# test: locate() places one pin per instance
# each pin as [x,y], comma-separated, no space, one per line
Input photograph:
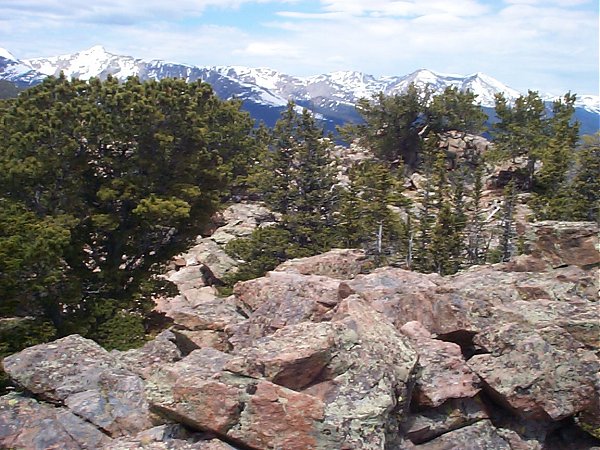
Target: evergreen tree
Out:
[527,129]
[122,175]
[296,178]
[367,218]
[475,236]
[507,225]
[584,187]
[396,127]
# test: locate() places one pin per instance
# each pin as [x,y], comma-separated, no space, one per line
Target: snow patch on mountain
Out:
[7,55]
[262,86]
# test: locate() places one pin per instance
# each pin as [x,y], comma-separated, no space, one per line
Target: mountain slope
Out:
[264,91]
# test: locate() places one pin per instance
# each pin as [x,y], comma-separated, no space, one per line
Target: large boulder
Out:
[202,310]
[160,351]
[90,382]
[482,435]
[538,374]
[443,372]
[564,243]
[28,424]
[198,392]
[424,425]
[241,219]
[280,299]
[342,264]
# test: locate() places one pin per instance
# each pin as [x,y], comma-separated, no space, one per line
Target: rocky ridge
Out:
[325,353]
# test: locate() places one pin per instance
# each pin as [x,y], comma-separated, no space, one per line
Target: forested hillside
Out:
[102,182]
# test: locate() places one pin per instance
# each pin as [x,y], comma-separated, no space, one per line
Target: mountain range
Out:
[265,92]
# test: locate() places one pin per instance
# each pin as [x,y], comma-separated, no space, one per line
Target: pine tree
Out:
[122,175]
[584,188]
[366,213]
[507,226]
[476,241]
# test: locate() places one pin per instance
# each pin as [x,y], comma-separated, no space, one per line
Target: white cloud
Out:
[539,44]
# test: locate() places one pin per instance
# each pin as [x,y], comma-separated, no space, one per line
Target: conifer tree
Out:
[122,175]
[366,217]
[507,225]
[475,239]
[584,188]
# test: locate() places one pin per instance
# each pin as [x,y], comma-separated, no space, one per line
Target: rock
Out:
[187,277]
[480,436]
[155,353]
[199,393]
[425,425]
[465,303]
[564,243]
[535,373]
[295,356]
[201,309]
[241,220]
[376,367]
[308,385]
[278,418]
[280,299]
[341,264]
[191,392]
[28,424]
[210,254]
[190,340]
[91,383]
[167,437]
[443,372]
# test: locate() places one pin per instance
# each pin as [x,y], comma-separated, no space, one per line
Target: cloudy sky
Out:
[545,45]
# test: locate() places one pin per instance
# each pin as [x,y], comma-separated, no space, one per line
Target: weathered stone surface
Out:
[190,340]
[430,423]
[564,243]
[469,301]
[155,353]
[480,436]
[84,377]
[342,264]
[27,424]
[190,391]
[200,309]
[167,437]
[539,374]
[241,219]
[294,356]
[198,392]
[375,370]
[276,418]
[280,299]
[354,373]
[443,373]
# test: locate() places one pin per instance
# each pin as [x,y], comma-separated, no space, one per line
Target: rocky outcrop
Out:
[87,380]
[28,424]
[561,244]
[341,264]
[317,355]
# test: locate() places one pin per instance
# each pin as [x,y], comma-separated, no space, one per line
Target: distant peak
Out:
[6,54]
[95,49]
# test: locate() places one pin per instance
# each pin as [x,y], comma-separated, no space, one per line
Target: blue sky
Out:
[545,45]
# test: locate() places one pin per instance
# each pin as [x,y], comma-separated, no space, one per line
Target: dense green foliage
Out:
[100,182]
[396,127]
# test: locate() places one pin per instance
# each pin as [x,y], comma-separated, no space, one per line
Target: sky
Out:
[551,46]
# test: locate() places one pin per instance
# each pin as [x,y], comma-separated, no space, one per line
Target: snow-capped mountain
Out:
[263,91]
